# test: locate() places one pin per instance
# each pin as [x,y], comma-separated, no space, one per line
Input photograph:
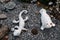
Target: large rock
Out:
[10,5]
[4,1]
[3,31]
[2,16]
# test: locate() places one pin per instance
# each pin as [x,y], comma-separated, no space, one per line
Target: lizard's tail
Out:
[25,11]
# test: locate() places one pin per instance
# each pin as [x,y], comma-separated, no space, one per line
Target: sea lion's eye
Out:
[50,23]
[47,23]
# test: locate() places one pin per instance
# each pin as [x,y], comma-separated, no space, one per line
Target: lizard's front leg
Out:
[26,18]
[24,29]
[14,21]
[42,27]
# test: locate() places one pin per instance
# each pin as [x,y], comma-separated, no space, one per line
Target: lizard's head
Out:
[16,32]
[25,11]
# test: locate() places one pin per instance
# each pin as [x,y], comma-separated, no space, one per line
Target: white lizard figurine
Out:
[21,22]
[45,19]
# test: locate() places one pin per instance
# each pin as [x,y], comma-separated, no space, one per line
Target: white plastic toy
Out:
[21,22]
[45,19]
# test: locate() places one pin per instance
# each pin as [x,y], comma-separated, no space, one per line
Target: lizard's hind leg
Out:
[14,21]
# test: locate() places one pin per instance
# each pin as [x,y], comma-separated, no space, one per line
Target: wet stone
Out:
[10,5]
[2,16]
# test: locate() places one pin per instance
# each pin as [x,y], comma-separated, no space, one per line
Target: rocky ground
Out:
[33,23]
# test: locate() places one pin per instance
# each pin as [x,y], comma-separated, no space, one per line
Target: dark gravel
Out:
[33,22]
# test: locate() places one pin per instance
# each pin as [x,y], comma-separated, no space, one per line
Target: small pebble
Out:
[37,12]
[12,29]
[38,3]
[51,16]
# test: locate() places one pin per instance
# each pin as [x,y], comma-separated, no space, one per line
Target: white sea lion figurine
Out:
[45,19]
[21,22]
